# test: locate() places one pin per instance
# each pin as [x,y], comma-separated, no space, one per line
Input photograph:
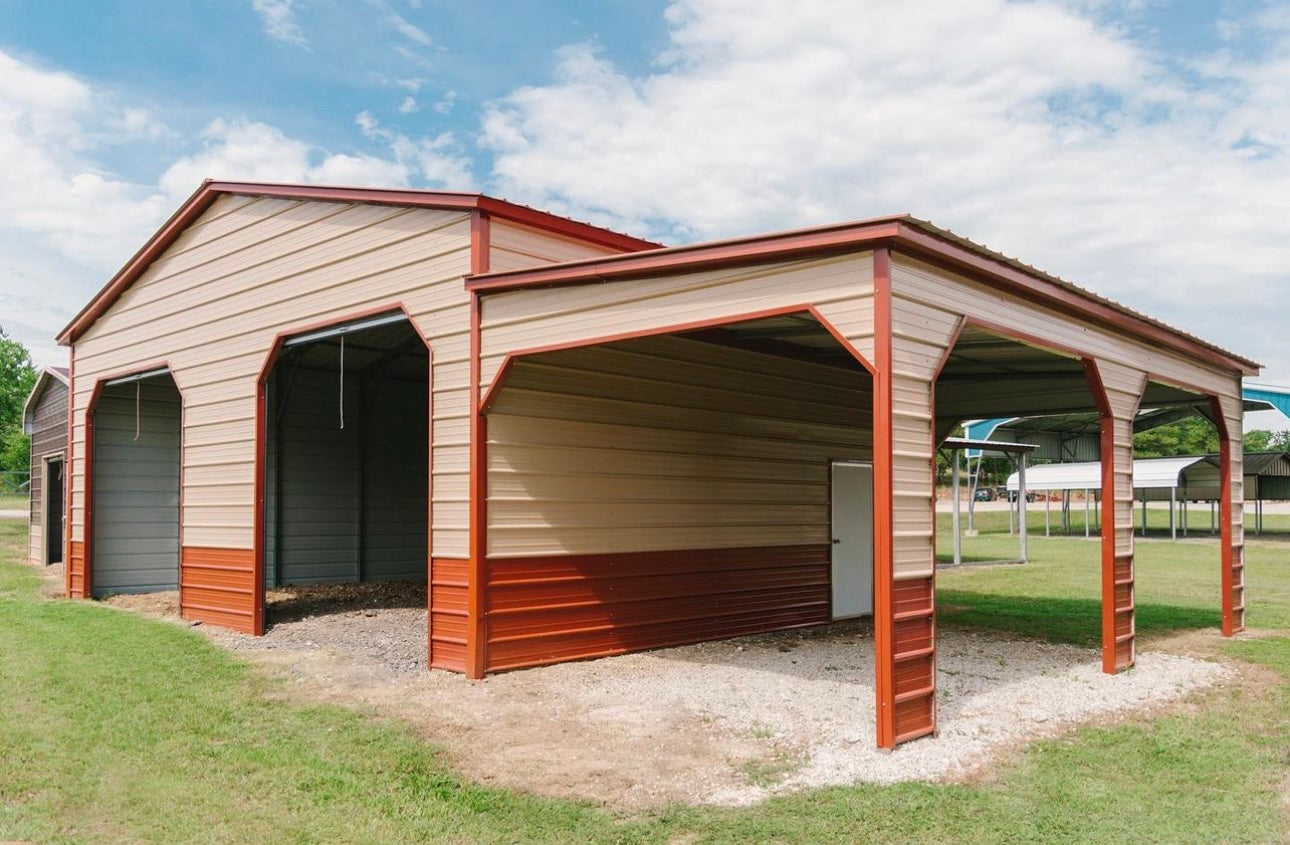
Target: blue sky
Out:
[1136,147]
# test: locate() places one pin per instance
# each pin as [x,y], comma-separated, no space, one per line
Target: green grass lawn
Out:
[13,502]
[118,728]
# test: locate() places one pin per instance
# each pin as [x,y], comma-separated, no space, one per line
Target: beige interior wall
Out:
[249,268]
[667,443]
[841,288]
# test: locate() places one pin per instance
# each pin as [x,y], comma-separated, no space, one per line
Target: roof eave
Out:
[206,194]
[901,232]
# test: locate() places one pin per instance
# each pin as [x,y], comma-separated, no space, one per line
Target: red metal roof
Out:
[902,232]
[210,190]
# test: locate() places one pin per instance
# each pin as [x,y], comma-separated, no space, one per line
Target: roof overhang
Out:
[38,390]
[900,233]
[210,191]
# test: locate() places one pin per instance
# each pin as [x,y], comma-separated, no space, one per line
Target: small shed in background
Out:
[44,417]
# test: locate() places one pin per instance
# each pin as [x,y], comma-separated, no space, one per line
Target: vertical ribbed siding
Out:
[668,443]
[48,437]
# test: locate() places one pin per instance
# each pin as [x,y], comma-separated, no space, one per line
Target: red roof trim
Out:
[903,234]
[209,191]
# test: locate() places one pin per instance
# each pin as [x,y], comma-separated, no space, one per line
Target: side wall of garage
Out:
[660,491]
[48,437]
[211,306]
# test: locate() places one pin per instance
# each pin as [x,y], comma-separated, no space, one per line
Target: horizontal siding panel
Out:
[515,247]
[448,603]
[218,587]
[559,608]
[584,456]
[535,318]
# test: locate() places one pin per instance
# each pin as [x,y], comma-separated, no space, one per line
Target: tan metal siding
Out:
[247,270]
[48,437]
[840,287]
[516,247]
[665,443]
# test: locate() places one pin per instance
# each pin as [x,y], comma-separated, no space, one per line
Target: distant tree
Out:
[1266,441]
[17,375]
[1192,436]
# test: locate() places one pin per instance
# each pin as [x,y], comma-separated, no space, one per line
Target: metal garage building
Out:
[44,418]
[636,447]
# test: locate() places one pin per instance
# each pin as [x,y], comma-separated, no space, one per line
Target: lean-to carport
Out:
[935,320]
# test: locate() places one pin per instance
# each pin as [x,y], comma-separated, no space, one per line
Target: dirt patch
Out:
[729,722]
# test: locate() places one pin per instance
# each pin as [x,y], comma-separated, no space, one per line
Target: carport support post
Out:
[958,534]
[1118,390]
[1227,416]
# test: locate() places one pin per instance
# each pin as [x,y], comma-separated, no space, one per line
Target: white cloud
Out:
[279,19]
[408,106]
[244,150]
[400,24]
[445,103]
[439,161]
[1035,127]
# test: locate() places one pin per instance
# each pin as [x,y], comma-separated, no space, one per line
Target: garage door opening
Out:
[347,470]
[674,488]
[135,443]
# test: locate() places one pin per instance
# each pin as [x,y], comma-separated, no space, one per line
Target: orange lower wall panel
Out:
[565,607]
[76,587]
[217,586]
[448,592]
[914,658]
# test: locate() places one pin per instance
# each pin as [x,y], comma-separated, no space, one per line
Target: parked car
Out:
[985,494]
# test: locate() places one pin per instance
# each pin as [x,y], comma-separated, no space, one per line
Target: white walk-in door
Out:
[852,520]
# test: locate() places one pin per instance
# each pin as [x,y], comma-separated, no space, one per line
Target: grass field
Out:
[118,728]
[13,501]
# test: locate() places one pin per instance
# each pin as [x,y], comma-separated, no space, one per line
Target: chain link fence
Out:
[15,489]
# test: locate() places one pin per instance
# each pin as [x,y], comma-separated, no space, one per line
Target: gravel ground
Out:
[729,722]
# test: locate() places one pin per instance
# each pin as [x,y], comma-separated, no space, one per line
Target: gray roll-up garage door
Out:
[136,488]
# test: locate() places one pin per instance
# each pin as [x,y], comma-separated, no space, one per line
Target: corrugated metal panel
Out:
[527,319]
[516,247]
[668,443]
[396,487]
[48,437]
[329,530]
[549,609]
[218,587]
[448,612]
[1148,473]
[319,531]
[136,488]
[247,269]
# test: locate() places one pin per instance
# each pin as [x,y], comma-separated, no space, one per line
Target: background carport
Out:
[934,317]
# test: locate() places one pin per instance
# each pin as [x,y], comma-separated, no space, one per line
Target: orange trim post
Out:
[69,481]
[1232,557]
[883,515]
[1118,589]
[476,591]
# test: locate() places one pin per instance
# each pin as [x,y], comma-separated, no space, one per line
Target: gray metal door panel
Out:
[136,488]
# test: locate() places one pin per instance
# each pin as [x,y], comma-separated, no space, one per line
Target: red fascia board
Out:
[896,232]
[209,191]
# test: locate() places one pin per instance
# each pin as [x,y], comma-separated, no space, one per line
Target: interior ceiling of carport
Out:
[989,375]
[394,350]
